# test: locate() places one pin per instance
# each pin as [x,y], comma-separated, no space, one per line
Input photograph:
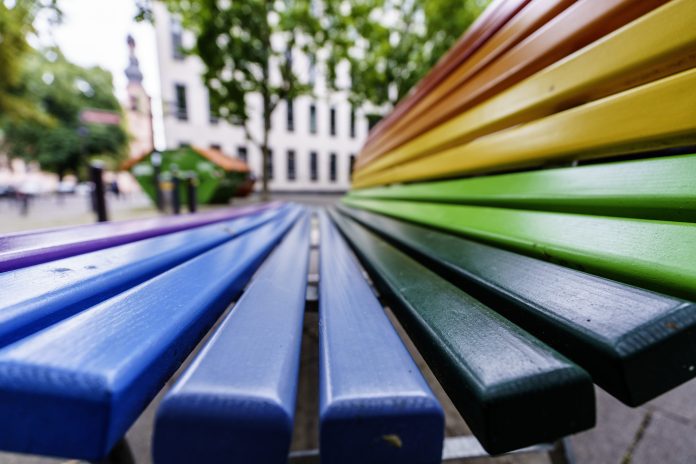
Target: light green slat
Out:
[658,255]
[659,188]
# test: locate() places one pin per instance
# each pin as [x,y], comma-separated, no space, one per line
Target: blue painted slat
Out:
[74,388]
[236,401]
[375,406]
[38,296]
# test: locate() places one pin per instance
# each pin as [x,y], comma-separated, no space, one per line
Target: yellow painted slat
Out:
[659,44]
[657,115]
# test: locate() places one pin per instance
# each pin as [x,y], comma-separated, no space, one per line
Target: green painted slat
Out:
[497,375]
[658,255]
[661,188]
[636,344]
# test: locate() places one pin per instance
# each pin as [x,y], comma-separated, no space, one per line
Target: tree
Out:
[247,47]
[60,142]
[16,24]
[391,44]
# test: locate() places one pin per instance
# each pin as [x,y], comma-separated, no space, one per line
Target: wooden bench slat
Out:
[654,116]
[374,406]
[29,248]
[498,13]
[658,255]
[73,389]
[654,46]
[497,375]
[67,286]
[636,344]
[236,402]
[573,29]
[528,20]
[658,188]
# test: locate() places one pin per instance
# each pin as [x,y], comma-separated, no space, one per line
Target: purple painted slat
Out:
[26,249]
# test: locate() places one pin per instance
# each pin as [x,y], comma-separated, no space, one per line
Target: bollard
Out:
[156,160]
[176,193]
[191,193]
[96,169]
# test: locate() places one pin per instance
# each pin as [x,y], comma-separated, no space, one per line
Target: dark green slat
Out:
[636,344]
[511,389]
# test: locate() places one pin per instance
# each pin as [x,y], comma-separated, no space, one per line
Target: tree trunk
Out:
[265,152]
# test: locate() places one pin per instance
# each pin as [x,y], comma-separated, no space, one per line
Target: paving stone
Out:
[678,402]
[666,441]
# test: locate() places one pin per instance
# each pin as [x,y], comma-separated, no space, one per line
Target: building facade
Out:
[137,108]
[314,139]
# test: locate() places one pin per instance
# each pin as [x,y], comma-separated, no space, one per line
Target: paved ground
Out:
[663,431]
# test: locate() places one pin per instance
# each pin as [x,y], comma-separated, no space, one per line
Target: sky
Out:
[93,32]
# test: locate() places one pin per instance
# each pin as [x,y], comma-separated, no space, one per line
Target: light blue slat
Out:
[38,296]
[375,406]
[236,401]
[74,388]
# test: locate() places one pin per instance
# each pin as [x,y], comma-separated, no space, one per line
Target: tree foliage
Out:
[391,44]
[60,142]
[247,48]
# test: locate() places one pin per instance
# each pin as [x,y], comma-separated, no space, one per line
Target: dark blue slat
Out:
[236,402]
[74,388]
[38,296]
[375,406]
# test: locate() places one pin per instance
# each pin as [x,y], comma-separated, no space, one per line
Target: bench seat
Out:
[83,381]
[497,375]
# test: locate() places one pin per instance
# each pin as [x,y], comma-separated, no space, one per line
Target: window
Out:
[352,165]
[177,42]
[372,120]
[212,117]
[242,153]
[184,144]
[290,110]
[312,71]
[332,121]
[291,164]
[216,146]
[313,170]
[181,108]
[133,103]
[332,167]
[352,122]
[269,164]
[312,118]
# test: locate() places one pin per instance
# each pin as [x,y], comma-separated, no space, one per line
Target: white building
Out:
[314,140]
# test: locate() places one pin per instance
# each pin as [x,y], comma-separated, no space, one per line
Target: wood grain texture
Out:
[578,26]
[658,255]
[661,43]
[533,16]
[654,116]
[38,296]
[73,389]
[497,375]
[636,344]
[29,248]
[658,188]
[236,401]
[374,404]
[496,15]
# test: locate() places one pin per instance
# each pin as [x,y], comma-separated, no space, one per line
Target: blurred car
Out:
[66,187]
[7,191]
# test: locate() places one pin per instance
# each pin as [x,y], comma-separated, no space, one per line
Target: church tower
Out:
[138,108]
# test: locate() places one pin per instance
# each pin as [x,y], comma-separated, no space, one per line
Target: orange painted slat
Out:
[576,27]
[529,19]
[488,23]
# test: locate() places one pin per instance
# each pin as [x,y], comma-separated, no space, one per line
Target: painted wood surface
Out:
[498,13]
[657,188]
[656,45]
[654,116]
[73,389]
[658,255]
[37,296]
[636,344]
[374,405]
[496,374]
[236,402]
[578,26]
[29,248]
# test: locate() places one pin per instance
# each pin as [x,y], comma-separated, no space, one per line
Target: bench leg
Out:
[120,454]
[562,453]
